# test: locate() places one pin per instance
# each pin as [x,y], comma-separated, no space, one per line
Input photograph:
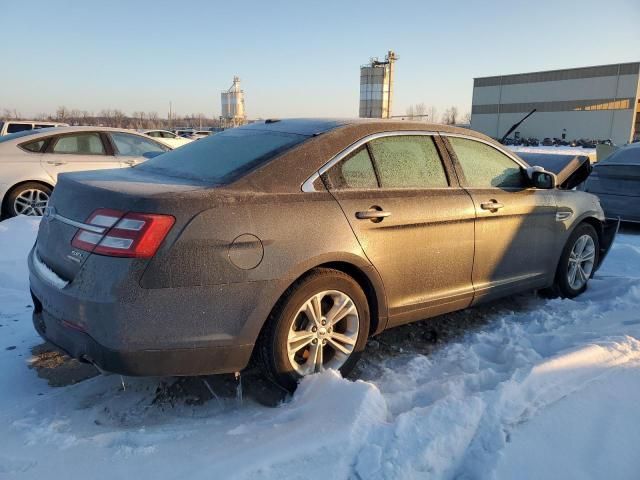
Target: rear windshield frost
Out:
[223,157]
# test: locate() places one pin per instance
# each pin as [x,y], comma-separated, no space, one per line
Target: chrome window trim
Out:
[307,186]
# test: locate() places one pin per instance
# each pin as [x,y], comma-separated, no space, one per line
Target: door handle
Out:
[375,214]
[492,205]
[57,163]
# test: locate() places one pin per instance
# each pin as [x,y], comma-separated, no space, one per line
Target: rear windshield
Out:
[628,155]
[223,157]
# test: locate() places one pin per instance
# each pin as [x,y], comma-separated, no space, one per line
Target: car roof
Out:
[317,126]
[35,134]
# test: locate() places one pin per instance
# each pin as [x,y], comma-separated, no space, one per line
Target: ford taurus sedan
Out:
[30,161]
[293,241]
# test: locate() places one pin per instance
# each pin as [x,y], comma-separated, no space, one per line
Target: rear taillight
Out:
[127,235]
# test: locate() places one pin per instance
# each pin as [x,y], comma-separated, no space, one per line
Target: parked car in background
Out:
[30,161]
[547,142]
[293,241]
[168,138]
[186,132]
[616,181]
[198,134]
[14,126]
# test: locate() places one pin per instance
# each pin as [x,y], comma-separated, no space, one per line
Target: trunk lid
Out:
[78,195]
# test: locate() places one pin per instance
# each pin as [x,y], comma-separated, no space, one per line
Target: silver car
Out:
[31,161]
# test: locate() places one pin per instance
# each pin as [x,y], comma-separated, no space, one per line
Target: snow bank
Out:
[547,389]
[17,236]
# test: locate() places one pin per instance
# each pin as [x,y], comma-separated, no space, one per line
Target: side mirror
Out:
[543,179]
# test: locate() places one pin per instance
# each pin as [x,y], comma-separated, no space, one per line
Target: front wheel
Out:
[321,322]
[578,262]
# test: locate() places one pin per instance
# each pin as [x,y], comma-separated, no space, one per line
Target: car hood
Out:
[570,170]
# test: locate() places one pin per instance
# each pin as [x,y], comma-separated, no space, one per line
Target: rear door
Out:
[413,221]
[516,225]
[77,151]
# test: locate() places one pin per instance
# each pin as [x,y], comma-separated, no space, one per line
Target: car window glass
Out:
[167,135]
[484,166]
[154,134]
[18,127]
[408,161]
[135,146]
[81,144]
[356,171]
[33,146]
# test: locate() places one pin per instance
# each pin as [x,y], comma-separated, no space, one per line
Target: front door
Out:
[413,223]
[515,224]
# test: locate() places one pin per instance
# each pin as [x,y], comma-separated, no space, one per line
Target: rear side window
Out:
[136,146]
[484,166]
[223,157]
[155,134]
[33,146]
[408,161]
[166,135]
[355,171]
[18,127]
[80,144]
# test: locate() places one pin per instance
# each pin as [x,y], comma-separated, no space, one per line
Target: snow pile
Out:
[547,389]
[552,149]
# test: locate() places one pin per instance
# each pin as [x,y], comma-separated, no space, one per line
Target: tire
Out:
[26,199]
[292,318]
[563,285]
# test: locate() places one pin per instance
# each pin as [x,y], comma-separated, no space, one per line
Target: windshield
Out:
[629,154]
[223,157]
[26,133]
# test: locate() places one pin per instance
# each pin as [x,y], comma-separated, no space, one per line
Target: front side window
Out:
[18,127]
[354,172]
[79,144]
[484,166]
[223,157]
[167,135]
[408,161]
[154,134]
[136,146]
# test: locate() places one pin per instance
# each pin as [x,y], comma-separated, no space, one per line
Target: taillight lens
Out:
[127,234]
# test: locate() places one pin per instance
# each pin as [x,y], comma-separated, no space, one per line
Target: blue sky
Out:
[295,58]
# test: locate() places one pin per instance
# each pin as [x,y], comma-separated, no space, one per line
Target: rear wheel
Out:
[577,263]
[321,322]
[27,199]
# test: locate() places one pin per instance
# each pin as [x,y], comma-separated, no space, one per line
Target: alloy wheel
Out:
[323,333]
[31,202]
[581,261]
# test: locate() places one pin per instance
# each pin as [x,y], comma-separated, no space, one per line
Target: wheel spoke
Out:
[588,257]
[298,340]
[572,273]
[314,362]
[339,311]
[338,346]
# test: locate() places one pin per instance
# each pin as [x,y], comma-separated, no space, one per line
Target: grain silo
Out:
[376,87]
[232,113]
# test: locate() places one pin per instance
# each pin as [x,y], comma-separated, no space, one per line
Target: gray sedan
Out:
[294,241]
[616,181]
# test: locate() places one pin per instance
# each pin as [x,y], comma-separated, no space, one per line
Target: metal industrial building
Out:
[376,87]
[597,103]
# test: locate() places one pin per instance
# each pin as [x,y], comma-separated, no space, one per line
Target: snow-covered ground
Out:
[543,389]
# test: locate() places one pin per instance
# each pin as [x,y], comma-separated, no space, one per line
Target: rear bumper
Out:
[167,362]
[104,317]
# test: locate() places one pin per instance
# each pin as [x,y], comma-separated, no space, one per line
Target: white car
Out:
[15,126]
[31,161]
[198,134]
[168,138]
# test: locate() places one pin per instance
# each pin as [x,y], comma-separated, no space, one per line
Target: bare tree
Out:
[62,114]
[466,118]
[450,116]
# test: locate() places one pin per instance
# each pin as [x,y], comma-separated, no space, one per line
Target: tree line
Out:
[451,115]
[117,118]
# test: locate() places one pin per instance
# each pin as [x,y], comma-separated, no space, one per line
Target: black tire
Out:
[561,286]
[8,206]
[272,344]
